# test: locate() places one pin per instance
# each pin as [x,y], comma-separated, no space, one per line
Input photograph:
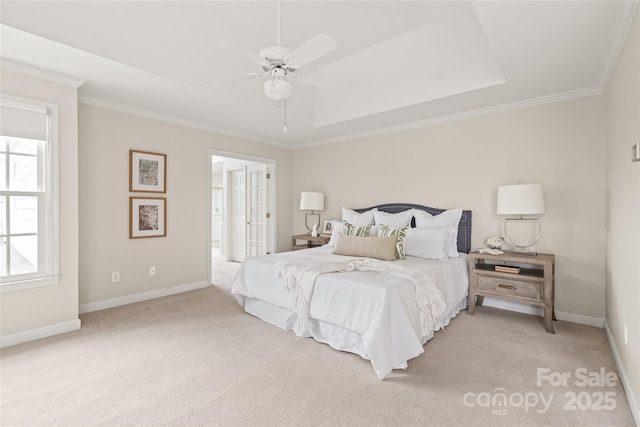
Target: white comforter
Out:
[375,315]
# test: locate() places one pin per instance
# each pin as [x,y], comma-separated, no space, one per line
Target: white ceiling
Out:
[397,65]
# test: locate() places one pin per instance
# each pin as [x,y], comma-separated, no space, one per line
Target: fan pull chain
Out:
[285,115]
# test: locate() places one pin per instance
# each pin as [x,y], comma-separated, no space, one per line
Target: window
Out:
[28,194]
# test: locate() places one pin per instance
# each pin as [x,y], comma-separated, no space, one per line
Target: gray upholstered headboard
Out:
[464,227]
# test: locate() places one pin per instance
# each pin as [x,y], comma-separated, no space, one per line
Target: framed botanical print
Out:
[147,217]
[147,172]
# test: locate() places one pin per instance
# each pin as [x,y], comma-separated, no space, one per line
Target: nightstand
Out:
[533,283]
[312,242]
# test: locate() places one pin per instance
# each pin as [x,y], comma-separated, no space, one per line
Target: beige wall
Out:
[54,308]
[180,258]
[461,164]
[623,214]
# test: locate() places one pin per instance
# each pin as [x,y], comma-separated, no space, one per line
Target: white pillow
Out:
[337,228]
[429,242]
[358,219]
[393,219]
[422,217]
[450,218]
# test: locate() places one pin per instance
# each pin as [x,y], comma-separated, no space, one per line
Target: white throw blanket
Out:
[300,274]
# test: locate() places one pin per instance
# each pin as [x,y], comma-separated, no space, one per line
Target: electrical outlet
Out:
[152,271]
[115,276]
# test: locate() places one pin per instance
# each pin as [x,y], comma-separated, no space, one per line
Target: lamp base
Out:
[306,220]
[522,252]
[522,249]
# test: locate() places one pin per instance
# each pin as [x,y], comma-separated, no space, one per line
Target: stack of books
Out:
[507,269]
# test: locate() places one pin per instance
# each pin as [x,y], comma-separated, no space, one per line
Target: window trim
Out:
[51,222]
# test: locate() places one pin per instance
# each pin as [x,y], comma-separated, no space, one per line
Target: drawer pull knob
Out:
[507,287]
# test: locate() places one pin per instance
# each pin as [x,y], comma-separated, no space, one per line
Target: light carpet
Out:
[196,359]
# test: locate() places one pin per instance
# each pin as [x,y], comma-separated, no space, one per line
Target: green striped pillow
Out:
[401,232]
[352,230]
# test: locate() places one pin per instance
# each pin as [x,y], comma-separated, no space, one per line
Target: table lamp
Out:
[521,200]
[314,202]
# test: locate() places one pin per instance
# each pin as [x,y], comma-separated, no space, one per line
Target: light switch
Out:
[635,152]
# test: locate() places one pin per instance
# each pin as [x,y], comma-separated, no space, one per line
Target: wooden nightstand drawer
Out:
[514,288]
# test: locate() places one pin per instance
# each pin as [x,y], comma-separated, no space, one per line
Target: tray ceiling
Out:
[397,64]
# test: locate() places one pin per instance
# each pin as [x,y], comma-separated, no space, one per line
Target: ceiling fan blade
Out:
[238,51]
[236,79]
[314,48]
[323,81]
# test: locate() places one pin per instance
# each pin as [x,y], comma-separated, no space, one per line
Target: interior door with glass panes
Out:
[256,210]
[239,215]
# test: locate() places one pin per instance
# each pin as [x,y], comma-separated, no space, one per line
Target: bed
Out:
[384,311]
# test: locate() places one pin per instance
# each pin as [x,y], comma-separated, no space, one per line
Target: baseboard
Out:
[36,334]
[538,311]
[583,320]
[129,299]
[624,378]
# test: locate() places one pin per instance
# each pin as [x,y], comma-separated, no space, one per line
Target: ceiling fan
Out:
[278,63]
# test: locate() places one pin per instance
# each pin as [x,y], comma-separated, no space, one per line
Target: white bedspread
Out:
[385,318]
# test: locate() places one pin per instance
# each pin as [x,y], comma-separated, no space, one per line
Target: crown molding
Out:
[31,71]
[566,96]
[127,109]
[623,24]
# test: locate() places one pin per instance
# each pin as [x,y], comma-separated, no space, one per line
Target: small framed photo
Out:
[147,172]
[327,228]
[147,217]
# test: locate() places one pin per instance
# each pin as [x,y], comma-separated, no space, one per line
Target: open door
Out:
[248,198]
[257,213]
[238,214]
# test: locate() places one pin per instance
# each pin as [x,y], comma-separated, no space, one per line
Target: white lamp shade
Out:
[520,199]
[310,201]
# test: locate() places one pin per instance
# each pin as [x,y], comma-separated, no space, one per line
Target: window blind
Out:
[23,121]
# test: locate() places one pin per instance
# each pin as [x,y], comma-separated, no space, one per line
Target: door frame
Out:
[271,198]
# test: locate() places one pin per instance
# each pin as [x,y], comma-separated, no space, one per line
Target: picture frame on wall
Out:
[147,172]
[147,217]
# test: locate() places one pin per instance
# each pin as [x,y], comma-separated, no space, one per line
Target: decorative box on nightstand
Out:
[312,241]
[530,281]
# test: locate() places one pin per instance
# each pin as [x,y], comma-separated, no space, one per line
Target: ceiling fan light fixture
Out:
[278,89]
